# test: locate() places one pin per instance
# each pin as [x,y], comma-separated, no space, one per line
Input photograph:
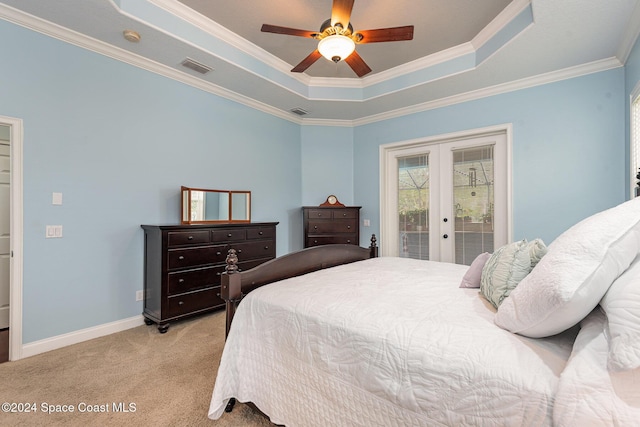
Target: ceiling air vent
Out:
[196,66]
[299,111]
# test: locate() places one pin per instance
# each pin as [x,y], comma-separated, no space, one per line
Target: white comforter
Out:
[589,393]
[385,342]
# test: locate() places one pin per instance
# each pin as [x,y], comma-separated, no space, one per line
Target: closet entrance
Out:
[10,238]
[5,210]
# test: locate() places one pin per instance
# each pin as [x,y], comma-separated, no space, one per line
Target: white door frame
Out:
[16,227]
[388,223]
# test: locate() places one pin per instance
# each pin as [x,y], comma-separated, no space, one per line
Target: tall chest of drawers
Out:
[183,264]
[329,225]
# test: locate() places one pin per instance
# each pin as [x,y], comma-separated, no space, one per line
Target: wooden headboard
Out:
[236,284]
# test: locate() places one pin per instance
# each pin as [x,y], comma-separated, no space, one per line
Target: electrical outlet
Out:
[139,295]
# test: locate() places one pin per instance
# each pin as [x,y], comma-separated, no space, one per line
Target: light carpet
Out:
[159,379]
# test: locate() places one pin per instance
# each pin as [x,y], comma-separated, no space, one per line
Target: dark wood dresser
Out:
[183,263]
[328,225]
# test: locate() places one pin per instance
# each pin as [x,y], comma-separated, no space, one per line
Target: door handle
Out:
[445,236]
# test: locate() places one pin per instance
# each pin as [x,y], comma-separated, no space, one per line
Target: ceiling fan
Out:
[338,40]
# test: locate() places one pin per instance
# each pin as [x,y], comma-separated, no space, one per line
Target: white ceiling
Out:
[462,49]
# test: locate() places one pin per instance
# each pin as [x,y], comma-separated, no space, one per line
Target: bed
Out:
[384,341]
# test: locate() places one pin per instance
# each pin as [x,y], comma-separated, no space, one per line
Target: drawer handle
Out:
[190,237]
[229,234]
[218,253]
[315,241]
[181,257]
[348,241]
[315,227]
[266,247]
[180,280]
[344,214]
[348,227]
[319,214]
[260,233]
[180,302]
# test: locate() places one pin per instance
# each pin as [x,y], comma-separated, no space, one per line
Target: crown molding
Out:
[437,58]
[224,34]
[85,42]
[328,122]
[69,36]
[539,80]
[507,15]
[218,31]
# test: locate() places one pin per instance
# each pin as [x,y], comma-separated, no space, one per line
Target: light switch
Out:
[53,231]
[366,223]
[57,199]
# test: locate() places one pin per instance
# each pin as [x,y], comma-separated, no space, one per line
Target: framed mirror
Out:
[204,206]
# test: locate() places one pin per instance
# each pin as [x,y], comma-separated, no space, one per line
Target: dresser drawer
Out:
[228,234]
[345,213]
[319,213]
[346,239]
[336,213]
[336,226]
[193,257]
[179,238]
[255,250]
[192,280]
[261,233]
[193,302]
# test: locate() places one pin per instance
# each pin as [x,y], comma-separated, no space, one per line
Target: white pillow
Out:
[504,270]
[621,303]
[573,276]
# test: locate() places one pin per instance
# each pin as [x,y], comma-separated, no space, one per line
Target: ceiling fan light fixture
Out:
[336,47]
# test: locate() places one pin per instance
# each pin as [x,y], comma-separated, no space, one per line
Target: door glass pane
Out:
[473,200]
[413,206]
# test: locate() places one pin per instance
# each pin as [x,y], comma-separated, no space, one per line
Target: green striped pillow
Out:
[506,267]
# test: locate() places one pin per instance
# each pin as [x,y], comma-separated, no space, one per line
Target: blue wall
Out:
[118,142]
[568,150]
[327,162]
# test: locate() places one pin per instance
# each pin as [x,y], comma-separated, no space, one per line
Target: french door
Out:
[446,200]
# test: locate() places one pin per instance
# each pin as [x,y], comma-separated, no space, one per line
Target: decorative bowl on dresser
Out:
[183,263]
[324,225]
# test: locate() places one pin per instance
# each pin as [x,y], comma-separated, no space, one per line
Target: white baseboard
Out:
[48,344]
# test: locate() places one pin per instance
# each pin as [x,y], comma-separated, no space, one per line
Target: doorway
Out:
[446,198]
[5,203]
[10,238]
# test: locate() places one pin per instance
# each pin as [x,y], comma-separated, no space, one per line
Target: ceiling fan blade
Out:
[341,12]
[357,64]
[307,62]
[266,28]
[387,34]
